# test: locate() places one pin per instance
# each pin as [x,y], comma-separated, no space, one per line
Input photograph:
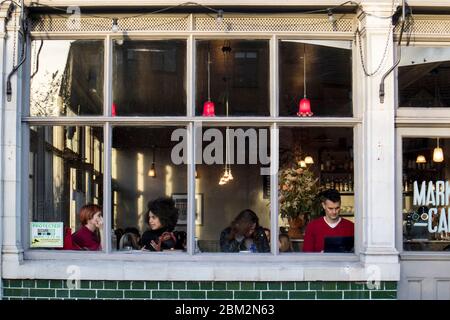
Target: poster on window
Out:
[46,235]
[181,204]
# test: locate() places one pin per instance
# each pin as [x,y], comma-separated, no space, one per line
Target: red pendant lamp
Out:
[208,106]
[304,107]
[113,110]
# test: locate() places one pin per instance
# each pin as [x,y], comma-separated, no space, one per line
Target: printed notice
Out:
[46,235]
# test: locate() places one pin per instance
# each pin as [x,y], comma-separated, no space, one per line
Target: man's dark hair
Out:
[331,194]
[165,210]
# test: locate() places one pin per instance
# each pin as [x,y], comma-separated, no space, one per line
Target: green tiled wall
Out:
[57,289]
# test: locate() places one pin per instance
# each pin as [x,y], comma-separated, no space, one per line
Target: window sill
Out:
[201,267]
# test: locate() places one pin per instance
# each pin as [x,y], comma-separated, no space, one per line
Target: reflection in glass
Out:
[243,152]
[423,77]
[239,77]
[67,78]
[65,172]
[149,78]
[300,181]
[137,150]
[328,77]
[425,189]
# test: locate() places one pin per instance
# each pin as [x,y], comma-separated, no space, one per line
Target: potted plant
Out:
[298,189]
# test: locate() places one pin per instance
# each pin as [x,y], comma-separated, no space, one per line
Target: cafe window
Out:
[320,71]
[425,190]
[313,160]
[234,75]
[141,159]
[149,78]
[66,78]
[144,168]
[423,77]
[66,165]
[230,185]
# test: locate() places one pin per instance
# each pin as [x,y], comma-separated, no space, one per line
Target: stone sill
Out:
[223,268]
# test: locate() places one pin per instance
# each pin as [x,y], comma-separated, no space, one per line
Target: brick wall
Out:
[57,289]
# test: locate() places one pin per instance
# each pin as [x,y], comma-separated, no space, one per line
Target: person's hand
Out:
[156,246]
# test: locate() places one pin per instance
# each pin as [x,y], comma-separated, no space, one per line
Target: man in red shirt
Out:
[331,225]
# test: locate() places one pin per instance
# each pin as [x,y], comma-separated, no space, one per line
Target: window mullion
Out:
[106,241]
[107,83]
[274,143]
[191,188]
[274,77]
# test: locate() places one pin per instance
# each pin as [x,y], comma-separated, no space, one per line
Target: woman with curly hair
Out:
[162,217]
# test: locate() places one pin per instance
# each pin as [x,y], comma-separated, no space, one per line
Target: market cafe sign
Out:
[46,235]
[436,195]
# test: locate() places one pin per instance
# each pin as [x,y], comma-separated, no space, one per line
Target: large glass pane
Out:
[319,70]
[424,77]
[316,168]
[149,78]
[143,170]
[426,192]
[65,173]
[237,81]
[66,78]
[233,190]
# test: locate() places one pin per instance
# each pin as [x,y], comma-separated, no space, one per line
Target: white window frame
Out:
[204,266]
[416,123]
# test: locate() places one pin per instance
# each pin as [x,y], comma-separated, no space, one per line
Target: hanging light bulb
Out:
[219,17]
[304,107]
[152,170]
[302,164]
[421,159]
[309,160]
[330,16]
[230,175]
[208,106]
[438,154]
[115,26]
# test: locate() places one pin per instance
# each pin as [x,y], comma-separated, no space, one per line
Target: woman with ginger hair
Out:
[87,237]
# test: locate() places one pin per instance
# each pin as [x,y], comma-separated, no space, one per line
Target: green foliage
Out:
[298,188]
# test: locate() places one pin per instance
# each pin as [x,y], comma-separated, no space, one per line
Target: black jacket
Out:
[259,239]
[154,235]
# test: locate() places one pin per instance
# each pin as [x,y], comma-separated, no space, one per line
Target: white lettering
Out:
[431,200]
[214,147]
[440,193]
[419,197]
[431,212]
[443,227]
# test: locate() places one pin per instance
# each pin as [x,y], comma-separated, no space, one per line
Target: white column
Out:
[2,79]
[11,154]
[378,134]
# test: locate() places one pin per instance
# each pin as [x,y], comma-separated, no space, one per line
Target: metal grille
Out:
[274,24]
[93,24]
[201,23]
[429,26]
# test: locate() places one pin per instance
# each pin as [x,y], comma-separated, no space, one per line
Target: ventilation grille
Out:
[200,23]
[427,26]
[274,24]
[93,24]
